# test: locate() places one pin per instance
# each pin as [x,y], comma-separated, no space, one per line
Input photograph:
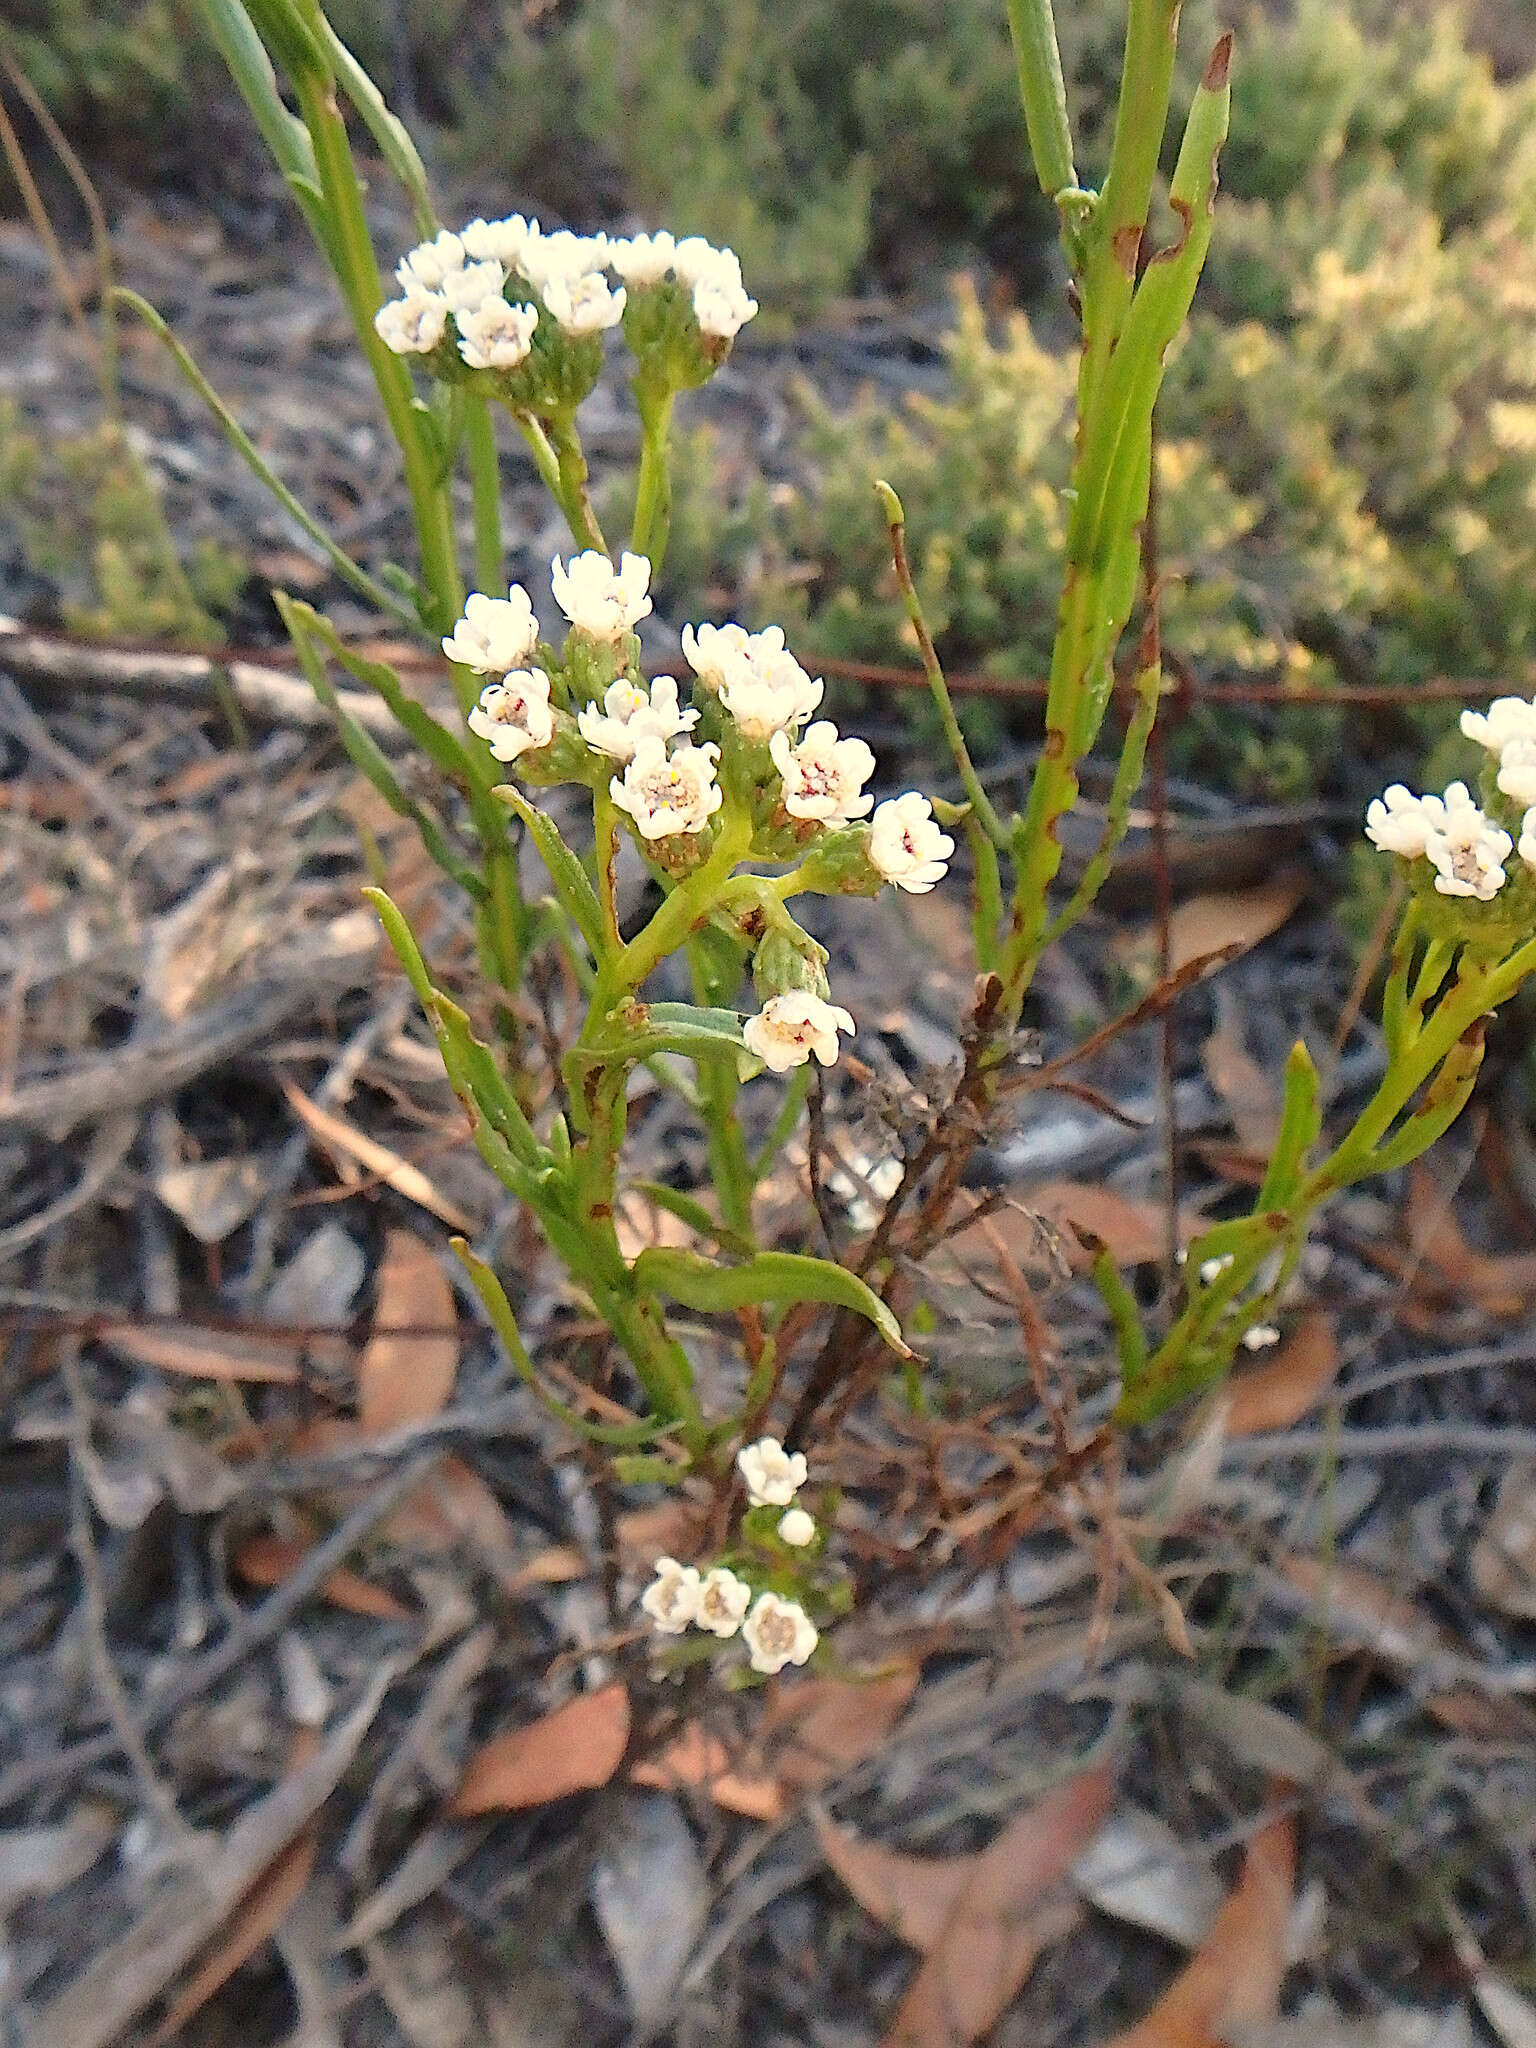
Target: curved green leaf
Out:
[698,1283]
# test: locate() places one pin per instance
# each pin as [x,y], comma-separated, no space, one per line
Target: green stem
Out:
[1033,27]
[357,273]
[485,486]
[730,1166]
[685,909]
[653,490]
[980,802]
[572,482]
[605,833]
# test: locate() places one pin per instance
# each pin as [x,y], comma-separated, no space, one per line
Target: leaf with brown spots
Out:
[575,1749]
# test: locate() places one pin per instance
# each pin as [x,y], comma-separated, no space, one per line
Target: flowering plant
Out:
[743,800]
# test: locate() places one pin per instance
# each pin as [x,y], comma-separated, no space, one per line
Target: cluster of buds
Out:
[1468,843]
[505,299]
[724,1602]
[586,713]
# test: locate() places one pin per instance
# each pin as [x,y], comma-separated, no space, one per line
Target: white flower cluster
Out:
[712,276]
[467,275]
[776,1631]
[1464,845]
[665,783]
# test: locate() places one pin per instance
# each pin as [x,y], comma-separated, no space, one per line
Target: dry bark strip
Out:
[98,2006]
[61,669]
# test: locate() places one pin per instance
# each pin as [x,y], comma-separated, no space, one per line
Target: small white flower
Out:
[823,776]
[412,326]
[584,305]
[497,336]
[721,309]
[767,691]
[425,267]
[561,255]
[778,1632]
[672,1597]
[1517,772]
[631,714]
[1212,1269]
[1260,1337]
[513,716]
[599,599]
[906,845]
[643,259]
[1527,846]
[665,795]
[1468,850]
[498,241]
[1506,719]
[1399,822]
[495,633]
[467,290]
[711,649]
[796,1528]
[792,1026]
[698,262]
[723,1600]
[773,1475]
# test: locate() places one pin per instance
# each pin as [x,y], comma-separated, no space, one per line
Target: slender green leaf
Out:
[251,68]
[572,883]
[1301,1119]
[688,1209]
[366,755]
[443,748]
[699,1283]
[256,462]
[476,1063]
[387,130]
[494,1297]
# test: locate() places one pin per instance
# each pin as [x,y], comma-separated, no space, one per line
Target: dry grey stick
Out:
[109,1147]
[93,1605]
[79,1090]
[259,1625]
[96,2008]
[333,1090]
[268,696]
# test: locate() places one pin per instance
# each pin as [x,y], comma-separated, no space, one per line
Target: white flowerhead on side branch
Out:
[773,1475]
[1467,844]
[599,599]
[792,1026]
[907,846]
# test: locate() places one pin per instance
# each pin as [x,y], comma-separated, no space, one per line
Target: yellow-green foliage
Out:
[1348,438]
[86,517]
